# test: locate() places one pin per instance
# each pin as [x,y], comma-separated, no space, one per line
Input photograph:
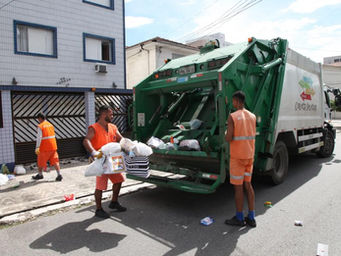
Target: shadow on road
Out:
[73,236]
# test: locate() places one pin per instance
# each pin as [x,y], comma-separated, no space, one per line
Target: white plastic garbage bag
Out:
[171,146]
[127,145]
[155,142]
[111,148]
[95,168]
[19,170]
[188,145]
[142,149]
[3,179]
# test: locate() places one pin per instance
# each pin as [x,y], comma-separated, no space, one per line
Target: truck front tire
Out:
[280,163]
[327,149]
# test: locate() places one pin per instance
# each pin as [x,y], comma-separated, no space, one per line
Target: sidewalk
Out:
[23,193]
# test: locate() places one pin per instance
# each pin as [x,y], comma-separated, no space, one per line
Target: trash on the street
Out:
[69,197]
[322,249]
[298,223]
[206,221]
[3,179]
[10,176]
[4,169]
[19,170]
[268,204]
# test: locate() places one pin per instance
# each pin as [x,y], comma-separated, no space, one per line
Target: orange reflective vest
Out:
[102,136]
[48,140]
[242,145]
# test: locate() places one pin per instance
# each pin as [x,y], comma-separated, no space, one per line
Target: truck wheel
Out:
[280,163]
[327,149]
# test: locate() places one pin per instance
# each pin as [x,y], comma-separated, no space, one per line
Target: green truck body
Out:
[200,86]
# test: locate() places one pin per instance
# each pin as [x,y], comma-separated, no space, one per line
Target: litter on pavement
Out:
[298,223]
[19,170]
[3,179]
[268,204]
[206,221]
[69,197]
[322,249]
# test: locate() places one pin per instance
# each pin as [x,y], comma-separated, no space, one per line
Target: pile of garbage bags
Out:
[125,156]
[185,145]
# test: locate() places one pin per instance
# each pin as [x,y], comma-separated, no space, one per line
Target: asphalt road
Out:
[162,221]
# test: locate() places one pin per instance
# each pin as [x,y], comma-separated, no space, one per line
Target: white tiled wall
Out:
[6,133]
[89,108]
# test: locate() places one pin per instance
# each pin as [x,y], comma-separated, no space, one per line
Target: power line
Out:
[6,4]
[237,8]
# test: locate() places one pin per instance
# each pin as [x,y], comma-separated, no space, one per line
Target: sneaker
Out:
[100,213]
[38,177]
[59,178]
[250,222]
[117,206]
[235,222]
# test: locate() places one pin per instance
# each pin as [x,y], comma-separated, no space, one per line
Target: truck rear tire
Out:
[327,149]
[280,163]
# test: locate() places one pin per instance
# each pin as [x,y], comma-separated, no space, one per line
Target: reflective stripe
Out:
[248,174]
[244,138]
[237,177]
[48,137]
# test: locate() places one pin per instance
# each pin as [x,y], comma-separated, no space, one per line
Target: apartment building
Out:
[62,58]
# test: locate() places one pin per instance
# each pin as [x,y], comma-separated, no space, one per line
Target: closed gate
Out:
[66,111]
[120,103]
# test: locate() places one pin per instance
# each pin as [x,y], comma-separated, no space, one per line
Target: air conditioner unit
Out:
[101,68]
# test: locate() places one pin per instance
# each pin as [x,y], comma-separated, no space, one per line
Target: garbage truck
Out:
[283,89]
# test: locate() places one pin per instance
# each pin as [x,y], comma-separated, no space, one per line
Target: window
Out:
[336,60]
[101,3]
[98,48]
[1,120]
[35,39]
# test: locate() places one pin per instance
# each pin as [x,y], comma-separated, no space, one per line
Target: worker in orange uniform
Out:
[241,132]
[99,134]
[46,148]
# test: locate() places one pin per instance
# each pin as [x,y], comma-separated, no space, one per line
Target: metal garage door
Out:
[66,111]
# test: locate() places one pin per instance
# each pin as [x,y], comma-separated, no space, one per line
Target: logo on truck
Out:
[306,83]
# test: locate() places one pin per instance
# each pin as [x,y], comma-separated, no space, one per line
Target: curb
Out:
[31,214]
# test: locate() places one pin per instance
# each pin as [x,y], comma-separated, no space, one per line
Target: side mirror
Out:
[338,100]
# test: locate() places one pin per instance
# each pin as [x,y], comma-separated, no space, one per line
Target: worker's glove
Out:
[37,151]
[96,154]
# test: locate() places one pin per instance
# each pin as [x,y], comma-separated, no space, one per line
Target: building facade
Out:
[57,57]
[144,58]
[334,60]
[61,43]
